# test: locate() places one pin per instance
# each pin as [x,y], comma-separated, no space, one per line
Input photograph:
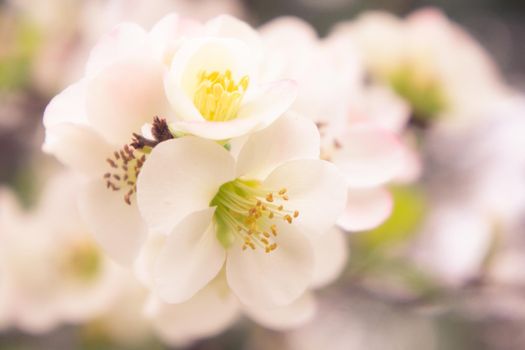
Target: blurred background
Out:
[385,299]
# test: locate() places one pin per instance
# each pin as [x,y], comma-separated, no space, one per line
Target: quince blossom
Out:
[54,271]
[253,215]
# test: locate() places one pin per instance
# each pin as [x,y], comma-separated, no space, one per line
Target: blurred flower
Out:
[268,201]
[53,268]
[360,125]
[429,61]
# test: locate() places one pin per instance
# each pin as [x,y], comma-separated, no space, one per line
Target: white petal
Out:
[366,209]
[208,313]
[331,254]
[258,111]
[179,177]
[290,137]
[145,262]
[125,40]
[69,106]
[272,279]
[124,96]
[268,102]
[191,257]
[286,317]
[315,188]
[117,226]
[227,26]
[167,34]
[79,147]
[203,54]
[369,156]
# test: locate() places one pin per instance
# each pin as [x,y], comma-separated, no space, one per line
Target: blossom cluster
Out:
[214,169]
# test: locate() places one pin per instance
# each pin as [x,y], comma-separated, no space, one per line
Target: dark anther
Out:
[139,142]
[160,130]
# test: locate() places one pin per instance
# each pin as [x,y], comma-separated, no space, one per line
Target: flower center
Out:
[83,261]
[218,97]
[125,168]
[126,163]
[422,90]
[247,211]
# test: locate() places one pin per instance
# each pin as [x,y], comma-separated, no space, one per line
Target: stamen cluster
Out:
[248,211]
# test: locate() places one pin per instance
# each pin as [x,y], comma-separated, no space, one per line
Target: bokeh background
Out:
[382,301]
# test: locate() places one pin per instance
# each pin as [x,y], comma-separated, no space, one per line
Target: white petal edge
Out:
[273,279]
[286,317]
[366,209]
[291,137]
[331,255]
[316,188]
[190,258]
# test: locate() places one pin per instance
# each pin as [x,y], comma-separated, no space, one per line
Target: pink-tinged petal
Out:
[365,209]
[124,96]
[227,26]
[271,279]
[381,106]
[190,259]
[411,167]
[209,312]
[69,106]
[179,177]
[115,225]
[168,33]
[331,254]
[316,189]
[291,137]
[368,156]
[124,41]
[286,317]
[78,147]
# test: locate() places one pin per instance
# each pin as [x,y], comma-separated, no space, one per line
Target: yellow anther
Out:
[288,218]
[295,214]
[269,197]
[217,96]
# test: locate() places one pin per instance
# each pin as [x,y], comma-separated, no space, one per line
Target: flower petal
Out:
[124,96]
[180,177]
[286,317]
[272,279]
[190,259]
[369,156]
[78,147]
[116,226]
[227,26]
[331,254]
[209,312]
[168,33]
[125,40]
[68,106]
[290,137]
[365,209]
[315,188]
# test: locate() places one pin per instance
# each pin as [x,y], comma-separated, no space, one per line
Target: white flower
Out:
[252,214]
[124,88]
[55,271]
